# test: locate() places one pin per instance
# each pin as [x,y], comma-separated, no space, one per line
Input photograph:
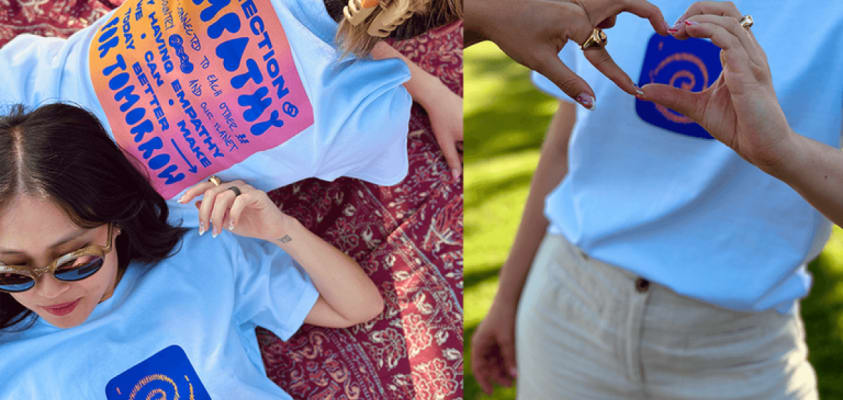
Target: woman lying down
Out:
[99,294]
[258,90]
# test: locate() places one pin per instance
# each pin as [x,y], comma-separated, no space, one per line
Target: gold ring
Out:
[746,21]
[597,40]
[215,180]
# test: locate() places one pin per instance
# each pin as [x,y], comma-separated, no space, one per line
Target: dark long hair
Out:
[62,152]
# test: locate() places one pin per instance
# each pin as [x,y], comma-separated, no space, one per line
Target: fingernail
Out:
[455,173]
[215,234]
[673,30]
[181,199]
[201,229]
[586,100]
[638,91]
[231,226]
[690,23]
[513,372]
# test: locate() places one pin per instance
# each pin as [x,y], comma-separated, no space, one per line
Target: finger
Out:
[452,157]
[737,59]
[222,202]
[570,83]
[479,366]
[240,203]
[194,191]
[508,353]
[687,103]
[724,9]
[601,60]
[647,10]
[207,205]
[607,23]
[733,26]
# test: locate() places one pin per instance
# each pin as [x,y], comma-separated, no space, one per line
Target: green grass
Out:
[505,120]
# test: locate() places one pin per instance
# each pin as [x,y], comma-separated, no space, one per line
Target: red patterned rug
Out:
[407,237]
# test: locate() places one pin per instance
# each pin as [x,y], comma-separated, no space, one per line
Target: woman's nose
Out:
[48,287]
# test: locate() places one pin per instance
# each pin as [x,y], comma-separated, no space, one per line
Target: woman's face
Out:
[33,232]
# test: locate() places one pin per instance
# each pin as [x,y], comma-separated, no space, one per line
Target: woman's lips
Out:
[62,309]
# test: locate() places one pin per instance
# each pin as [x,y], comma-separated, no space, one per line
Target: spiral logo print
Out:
[167,375]
[156,387]
[692,65]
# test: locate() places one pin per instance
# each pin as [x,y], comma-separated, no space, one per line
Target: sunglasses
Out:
[73,266]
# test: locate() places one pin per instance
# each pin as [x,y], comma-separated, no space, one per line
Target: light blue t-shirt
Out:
[245,89]
[653,193]
[186,324]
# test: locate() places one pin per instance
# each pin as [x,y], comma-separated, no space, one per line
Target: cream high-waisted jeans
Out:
[589,330]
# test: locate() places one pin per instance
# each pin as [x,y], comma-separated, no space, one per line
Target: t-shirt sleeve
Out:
[569,57]
[30,67]
[272,290]
[370,142]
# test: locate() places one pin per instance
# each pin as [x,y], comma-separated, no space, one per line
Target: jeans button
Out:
[641,285]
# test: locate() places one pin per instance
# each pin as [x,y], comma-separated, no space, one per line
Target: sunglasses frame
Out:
[35,273]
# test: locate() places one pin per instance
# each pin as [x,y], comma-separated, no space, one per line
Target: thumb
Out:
[508,353]
[682,101]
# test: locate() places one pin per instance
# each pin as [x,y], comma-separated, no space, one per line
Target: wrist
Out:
[287,229]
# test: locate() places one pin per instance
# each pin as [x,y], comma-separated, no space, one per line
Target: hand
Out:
[444,108]
[740,109]
[250,214]
[493,348]
[532,32]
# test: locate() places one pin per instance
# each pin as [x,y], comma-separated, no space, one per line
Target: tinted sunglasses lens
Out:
[79,268]
[12,282]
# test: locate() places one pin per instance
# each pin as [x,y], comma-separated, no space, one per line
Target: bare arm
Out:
[346,294]
[815,171]
[552,168]
[444,107]
[493,344]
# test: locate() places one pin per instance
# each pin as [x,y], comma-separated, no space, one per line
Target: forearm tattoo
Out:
[285,239]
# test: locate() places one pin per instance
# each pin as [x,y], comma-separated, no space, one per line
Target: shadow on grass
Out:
[516,125]
[482,192]
[822,312]
[481,273]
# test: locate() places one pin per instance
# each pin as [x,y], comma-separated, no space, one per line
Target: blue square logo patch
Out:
[692,64]
[168,374]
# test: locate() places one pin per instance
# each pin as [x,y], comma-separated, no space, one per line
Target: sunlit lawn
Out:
[505,121]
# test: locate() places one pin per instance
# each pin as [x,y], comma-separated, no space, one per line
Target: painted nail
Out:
[513,372]
[201,229]
[231,226]
[215,234]
[673,30]
[455,173]
[639,92]
[690,23]
[586,100]
[181,199]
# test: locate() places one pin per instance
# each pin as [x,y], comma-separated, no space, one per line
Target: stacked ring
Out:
[235,190]
[215,180]
[597,40]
